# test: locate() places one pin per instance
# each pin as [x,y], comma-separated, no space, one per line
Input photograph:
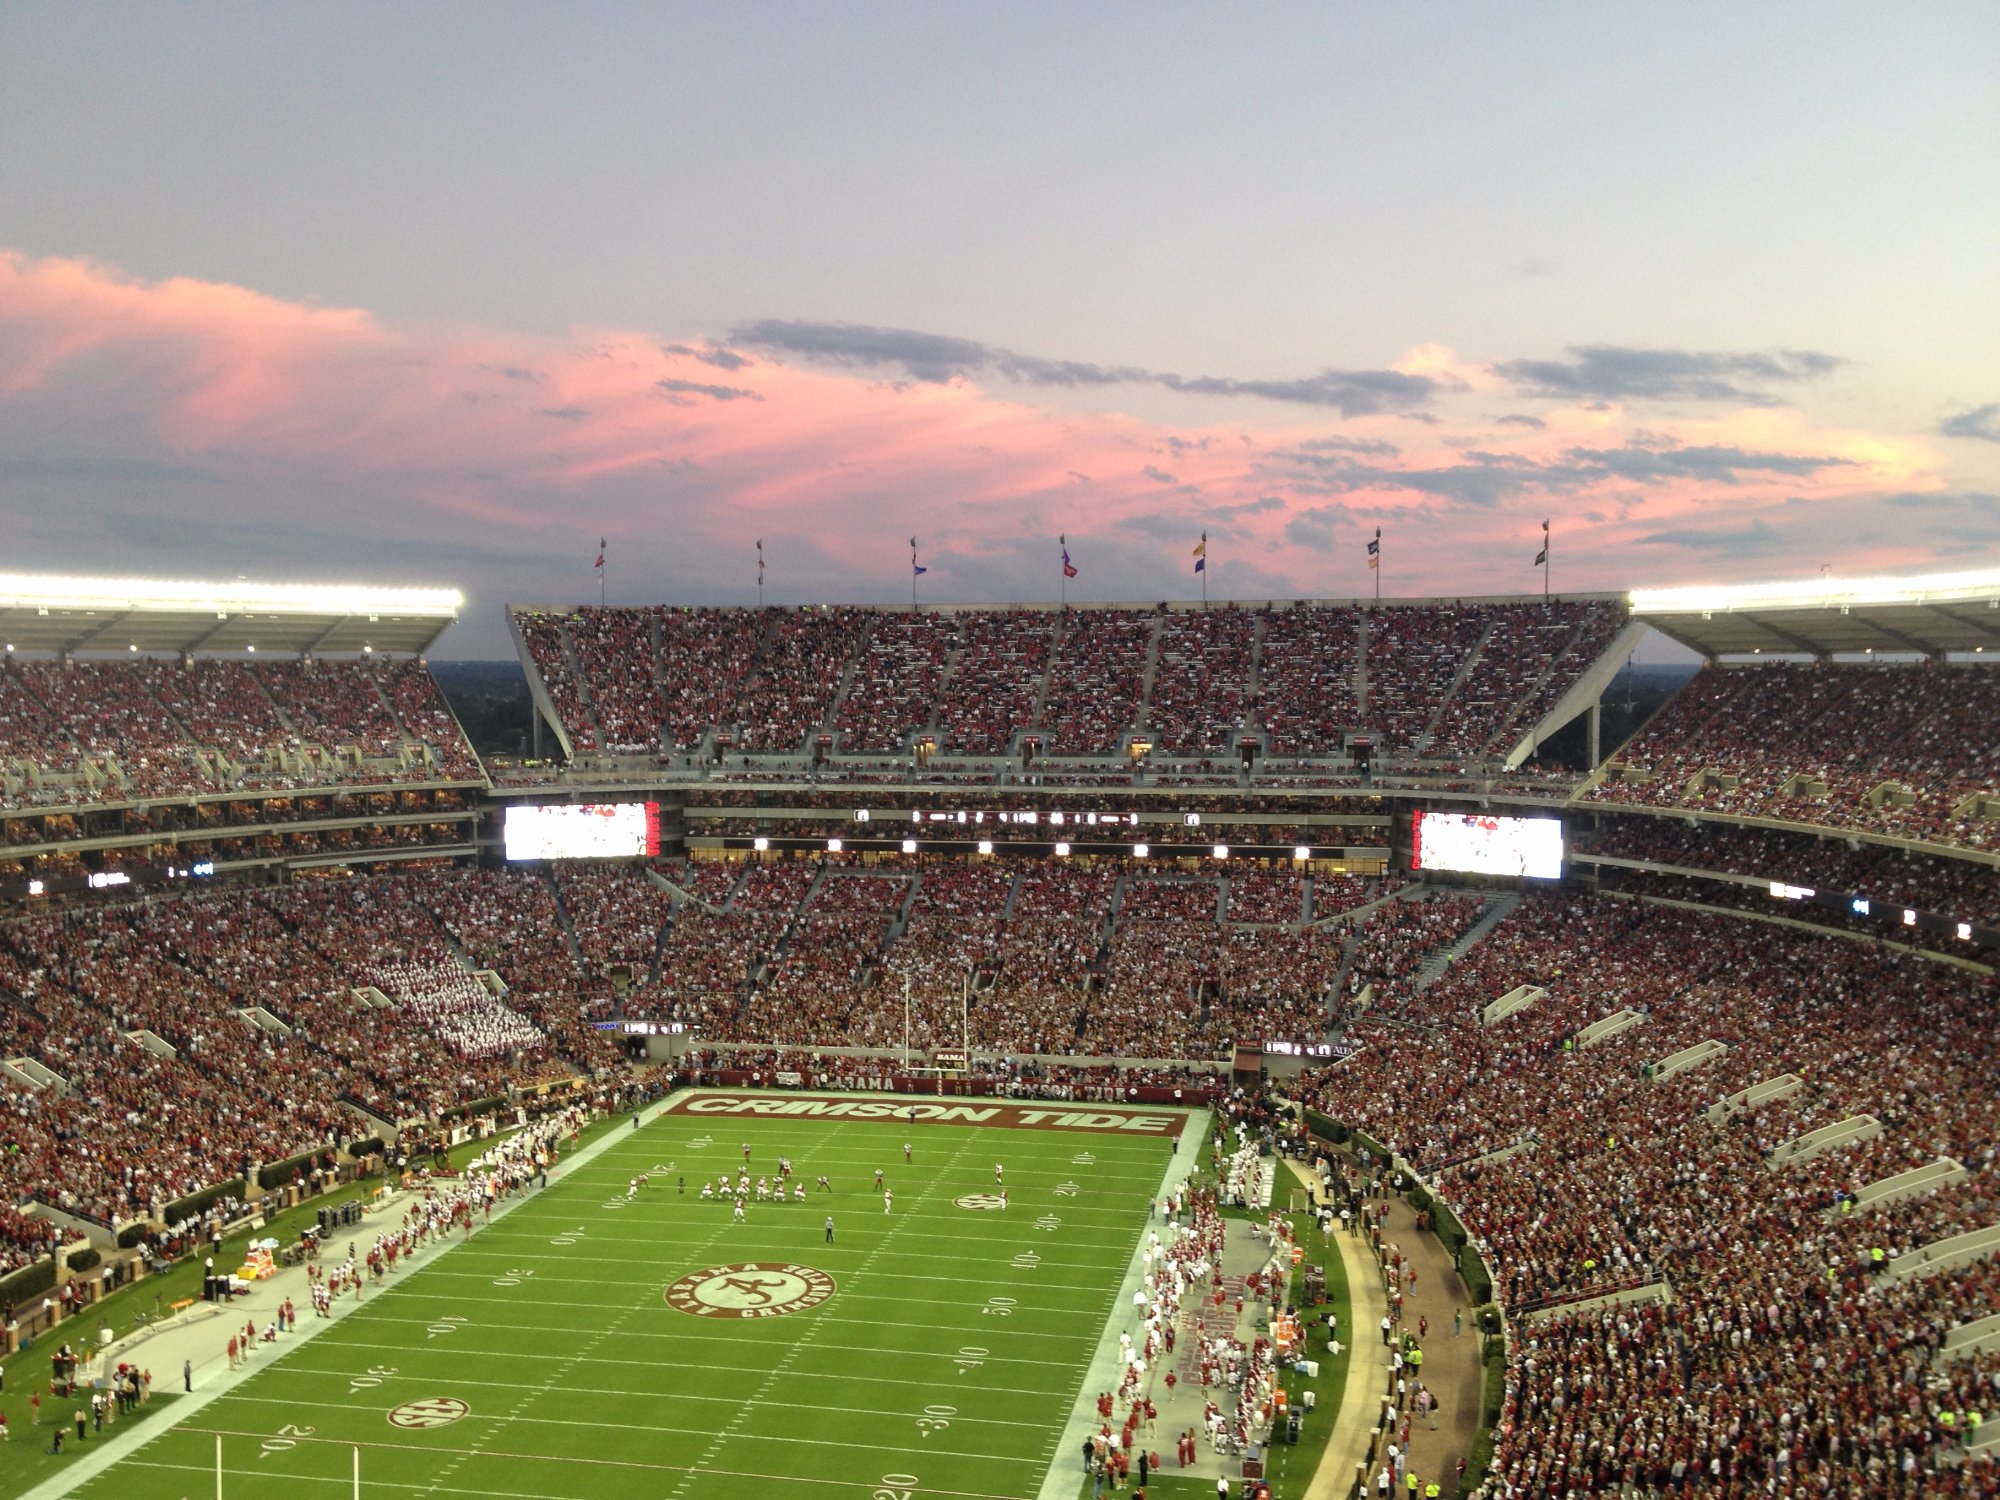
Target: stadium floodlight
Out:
[1062,851]
[1140,851]
[986,846]
[1925,588]
[1302,851]
[1222,851]
[833,846]
[47,591]
[760,843]
[909,846]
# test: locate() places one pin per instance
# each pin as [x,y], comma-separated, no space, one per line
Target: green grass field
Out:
[943,1350]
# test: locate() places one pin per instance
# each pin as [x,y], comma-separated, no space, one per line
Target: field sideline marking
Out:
[93,1466]
[1062,1482]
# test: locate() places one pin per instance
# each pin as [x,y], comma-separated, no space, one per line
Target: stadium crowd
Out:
[1903,750]
[1785,1353]
[91,732]
[1884,873]
[655,680]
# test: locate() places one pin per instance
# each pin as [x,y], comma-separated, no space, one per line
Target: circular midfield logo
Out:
[979,1202]
[750,1289]
[438,1411]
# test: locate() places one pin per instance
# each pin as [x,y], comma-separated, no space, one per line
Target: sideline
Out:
[1065,1477]
[198,1342]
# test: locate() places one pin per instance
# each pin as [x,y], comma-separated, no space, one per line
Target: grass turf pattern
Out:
[543,1357]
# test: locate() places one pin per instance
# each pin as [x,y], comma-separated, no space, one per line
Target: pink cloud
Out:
[684,450]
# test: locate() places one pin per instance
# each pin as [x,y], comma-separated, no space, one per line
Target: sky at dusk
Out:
[443,294]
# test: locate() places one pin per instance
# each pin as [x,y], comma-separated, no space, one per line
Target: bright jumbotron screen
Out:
[1479,844]
[583,830]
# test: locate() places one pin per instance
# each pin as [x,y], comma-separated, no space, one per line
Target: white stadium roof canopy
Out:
[1930,615]
[93,615]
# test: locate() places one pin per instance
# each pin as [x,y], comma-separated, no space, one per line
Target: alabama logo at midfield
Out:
[750,1289]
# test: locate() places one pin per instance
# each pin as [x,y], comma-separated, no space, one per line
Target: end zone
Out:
[1162,1121]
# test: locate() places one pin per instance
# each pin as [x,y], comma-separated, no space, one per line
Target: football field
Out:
[591,1344]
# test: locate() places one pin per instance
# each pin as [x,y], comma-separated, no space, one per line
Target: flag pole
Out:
[1063,576]
[913,575]
[1545,562]
[760,572]
[1204,570]
[1378,565]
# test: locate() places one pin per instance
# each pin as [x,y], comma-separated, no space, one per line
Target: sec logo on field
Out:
[750,1289]
[438,1411]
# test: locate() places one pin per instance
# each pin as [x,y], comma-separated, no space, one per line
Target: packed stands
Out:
[1886,873]
[1097,680]
[1202,691]
[996,681]
[1309,693]
[1901,750]
[1451,680]
[796,676]
[897,682]
[93,732]
[1624,1179]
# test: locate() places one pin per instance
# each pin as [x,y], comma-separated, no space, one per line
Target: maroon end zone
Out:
[1039,1115]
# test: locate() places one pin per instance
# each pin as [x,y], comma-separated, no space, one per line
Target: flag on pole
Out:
[760,560]
[915,571]
[1069,568]
[1375,549]
[1201,554]
[600,554]
[1543,555]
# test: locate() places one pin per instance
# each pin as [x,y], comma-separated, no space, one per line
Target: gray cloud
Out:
[1982,422]
[1608,371]
[722,359]
[1517,420]
[1717,465]
[1158,475]
[1315,528]
[1486,478]
[1374,447]
[1258,506]
[1172,527]
[714,392]
[563,413]
[1757,539]
[939,357]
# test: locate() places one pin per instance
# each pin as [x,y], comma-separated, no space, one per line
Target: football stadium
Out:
[1292,1048]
